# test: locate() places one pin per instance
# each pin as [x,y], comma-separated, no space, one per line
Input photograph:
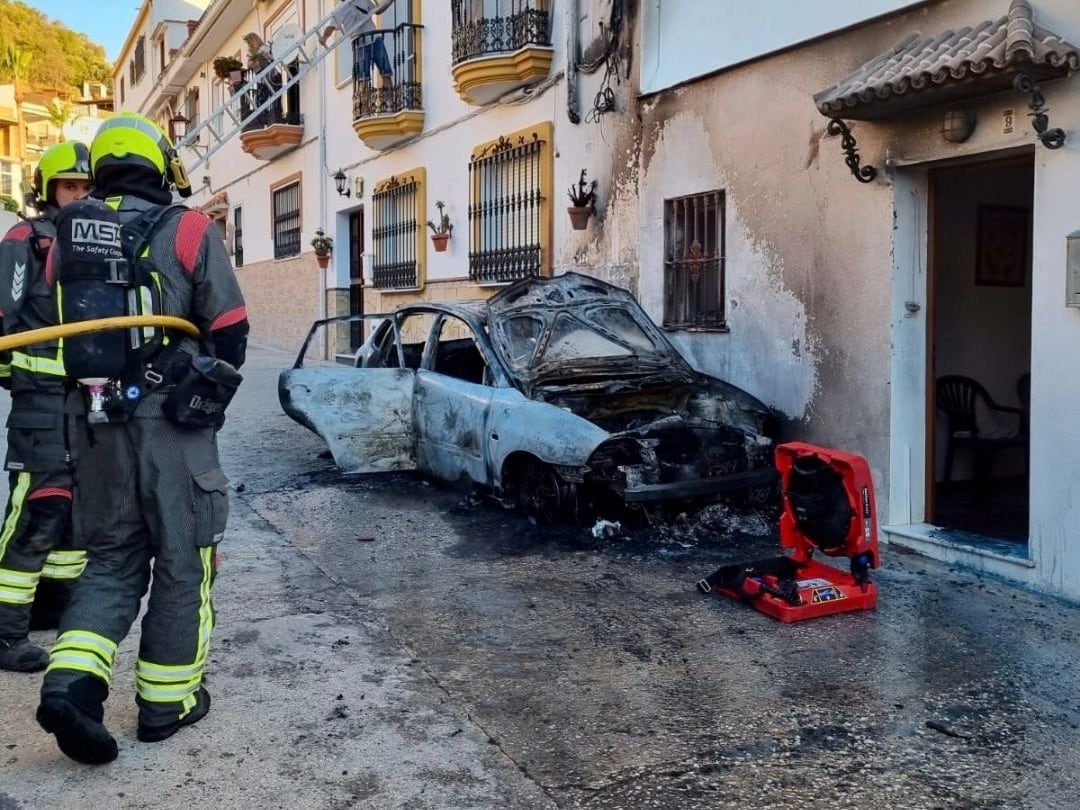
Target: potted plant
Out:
[583,199]
[230,69]
[324,246]
[440,233]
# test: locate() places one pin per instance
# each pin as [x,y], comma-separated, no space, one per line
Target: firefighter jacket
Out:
[197,282]
[27,302]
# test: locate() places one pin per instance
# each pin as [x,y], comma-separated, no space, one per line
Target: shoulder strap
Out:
[137,234]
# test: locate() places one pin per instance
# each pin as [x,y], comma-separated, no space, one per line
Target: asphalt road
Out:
[386,643]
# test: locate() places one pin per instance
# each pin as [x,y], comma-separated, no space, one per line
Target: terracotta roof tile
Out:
[922,70]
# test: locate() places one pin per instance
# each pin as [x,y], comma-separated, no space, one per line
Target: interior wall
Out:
[980,331]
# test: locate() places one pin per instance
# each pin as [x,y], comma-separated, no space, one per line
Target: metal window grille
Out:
[394,233]
[506,210]
[138,62]
[694,262]
[375,93]
[482,27]
[7,178]
[286,208]
[238,237]
[356,278]
[191,107]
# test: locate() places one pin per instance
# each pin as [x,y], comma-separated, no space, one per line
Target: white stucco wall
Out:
[690,38]
[840,269]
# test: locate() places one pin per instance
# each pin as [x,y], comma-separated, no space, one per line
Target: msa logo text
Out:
[95,232]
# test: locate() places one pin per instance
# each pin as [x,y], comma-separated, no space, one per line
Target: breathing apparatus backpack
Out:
[101,271]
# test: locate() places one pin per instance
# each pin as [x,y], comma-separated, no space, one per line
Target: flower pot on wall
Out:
[323,260]
[579,217]
[439,240]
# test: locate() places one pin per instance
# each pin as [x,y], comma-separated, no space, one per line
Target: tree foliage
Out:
[53,54]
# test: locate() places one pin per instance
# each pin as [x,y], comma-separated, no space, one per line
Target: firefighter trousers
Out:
[37,558]
[150,499]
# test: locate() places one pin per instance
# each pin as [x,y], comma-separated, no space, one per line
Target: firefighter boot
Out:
[75,716]
[19,655]
[157,733]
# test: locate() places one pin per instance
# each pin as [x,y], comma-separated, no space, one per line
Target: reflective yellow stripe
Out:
[18,498]
[18,579]
[172,683]
[39,365]
[65,564]
[83,651]
[17,587]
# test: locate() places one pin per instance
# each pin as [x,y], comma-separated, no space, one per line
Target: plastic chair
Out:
[960,399]
[1023,393]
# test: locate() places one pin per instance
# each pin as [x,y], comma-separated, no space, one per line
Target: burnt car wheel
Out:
[539,492]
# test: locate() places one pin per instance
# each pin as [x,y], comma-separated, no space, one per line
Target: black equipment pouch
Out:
[201,395]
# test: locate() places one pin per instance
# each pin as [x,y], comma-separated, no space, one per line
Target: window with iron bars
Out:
[191,107]
[286,208]
[694,262]
[482,27]
[509,207]
[138,61]
[396,231]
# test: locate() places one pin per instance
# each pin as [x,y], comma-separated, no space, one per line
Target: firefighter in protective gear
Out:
[38,563]
[151,497]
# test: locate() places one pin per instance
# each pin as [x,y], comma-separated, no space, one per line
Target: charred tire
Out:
[539,492]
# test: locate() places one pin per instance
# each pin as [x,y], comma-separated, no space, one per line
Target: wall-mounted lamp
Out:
[179,124]
[958,124]
[340,183]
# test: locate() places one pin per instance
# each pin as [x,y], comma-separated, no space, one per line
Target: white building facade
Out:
[831,205]
[891,181]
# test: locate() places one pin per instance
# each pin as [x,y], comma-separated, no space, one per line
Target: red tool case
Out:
[829,508]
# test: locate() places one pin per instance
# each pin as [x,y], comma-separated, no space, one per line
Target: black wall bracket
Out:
[1040,122]
[864,174]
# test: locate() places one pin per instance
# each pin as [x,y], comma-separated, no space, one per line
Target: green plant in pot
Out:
[583,202]
[324,246]
[440,232]
[230,69]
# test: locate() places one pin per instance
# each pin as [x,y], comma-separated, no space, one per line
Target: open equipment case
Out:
[828,507]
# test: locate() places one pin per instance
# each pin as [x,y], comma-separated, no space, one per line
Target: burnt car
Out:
[558,395]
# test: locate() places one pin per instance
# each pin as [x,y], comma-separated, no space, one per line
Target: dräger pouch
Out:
[201,396]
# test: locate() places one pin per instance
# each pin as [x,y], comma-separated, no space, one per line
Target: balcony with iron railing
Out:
[388,97]
[499,46]
[280,127]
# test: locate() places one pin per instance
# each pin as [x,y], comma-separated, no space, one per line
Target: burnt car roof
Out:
[567,290]
[577,295]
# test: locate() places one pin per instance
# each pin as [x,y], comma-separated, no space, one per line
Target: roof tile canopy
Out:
[922,71]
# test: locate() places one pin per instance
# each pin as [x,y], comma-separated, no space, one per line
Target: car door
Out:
[365,415]
[452,404]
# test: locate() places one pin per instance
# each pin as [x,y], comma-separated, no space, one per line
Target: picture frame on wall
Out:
[1001,246]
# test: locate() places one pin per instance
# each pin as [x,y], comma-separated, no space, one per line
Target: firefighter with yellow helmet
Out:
[151,500]
[37,561]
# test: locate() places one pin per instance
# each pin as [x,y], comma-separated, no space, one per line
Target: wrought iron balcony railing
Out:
[487,27]
[392,56]
[285,110]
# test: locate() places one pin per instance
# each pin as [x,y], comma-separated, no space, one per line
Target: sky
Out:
[106,24]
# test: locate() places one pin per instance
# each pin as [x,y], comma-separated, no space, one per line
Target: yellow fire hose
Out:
[97,325]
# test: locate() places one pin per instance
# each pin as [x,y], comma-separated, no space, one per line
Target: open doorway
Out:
[980,352]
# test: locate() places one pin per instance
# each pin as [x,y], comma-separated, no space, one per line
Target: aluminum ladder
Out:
[230,118]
